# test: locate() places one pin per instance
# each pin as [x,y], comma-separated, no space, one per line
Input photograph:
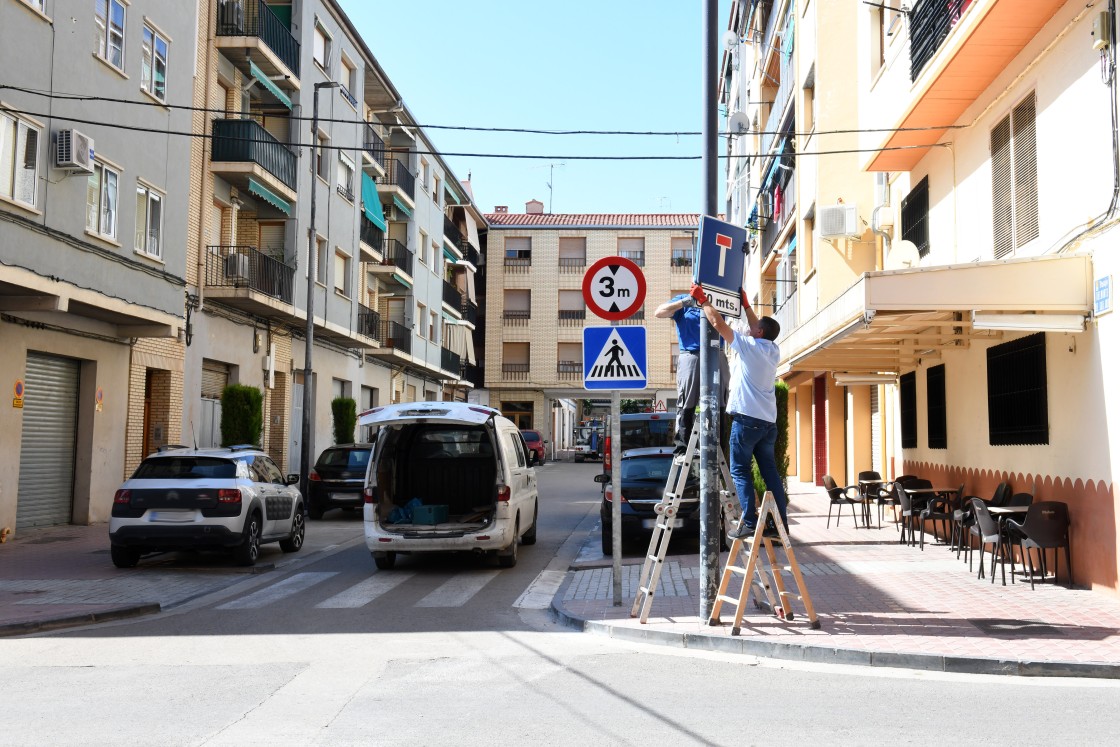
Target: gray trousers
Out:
[688,391]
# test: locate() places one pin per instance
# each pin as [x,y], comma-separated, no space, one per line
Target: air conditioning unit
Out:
[231,18]
[74,151]
[237,266]
[838,221]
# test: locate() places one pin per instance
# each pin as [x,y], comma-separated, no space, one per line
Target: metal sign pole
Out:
[616,499]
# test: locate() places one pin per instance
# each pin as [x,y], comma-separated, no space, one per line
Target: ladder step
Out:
[741,570]
[647,591]
[729,600]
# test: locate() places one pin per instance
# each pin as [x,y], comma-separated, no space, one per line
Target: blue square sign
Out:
[614,358]
[720,263]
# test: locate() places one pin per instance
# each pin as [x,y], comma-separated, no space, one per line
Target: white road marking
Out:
[286,588]
[540,593]
[458,590]
[364,592]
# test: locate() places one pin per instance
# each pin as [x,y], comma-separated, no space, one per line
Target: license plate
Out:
[651,523]
[346,497]
[179,516]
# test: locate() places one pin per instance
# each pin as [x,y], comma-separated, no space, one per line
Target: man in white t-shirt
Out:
[752,406]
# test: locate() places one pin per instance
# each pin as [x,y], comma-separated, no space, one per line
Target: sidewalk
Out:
[879,603]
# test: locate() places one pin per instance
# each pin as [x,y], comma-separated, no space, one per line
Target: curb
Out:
[808,653]
[70,621]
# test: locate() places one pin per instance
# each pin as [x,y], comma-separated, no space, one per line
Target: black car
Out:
[645,473]
[338,478]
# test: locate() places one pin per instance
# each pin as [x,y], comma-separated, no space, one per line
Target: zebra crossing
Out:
[456,591]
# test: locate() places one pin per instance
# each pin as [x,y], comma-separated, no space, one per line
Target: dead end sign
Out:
[614,288]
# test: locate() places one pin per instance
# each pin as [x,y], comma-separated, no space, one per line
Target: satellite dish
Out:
[739,123]
[730,39]
[903,254]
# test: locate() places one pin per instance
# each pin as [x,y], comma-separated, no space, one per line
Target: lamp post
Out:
[312,256]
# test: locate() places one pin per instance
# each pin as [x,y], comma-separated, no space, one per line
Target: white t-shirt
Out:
[752,377]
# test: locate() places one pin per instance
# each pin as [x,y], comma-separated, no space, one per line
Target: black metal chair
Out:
[870,493]
[909,509]
[938,508]
[837,496]
[963,518]
[986,530]
[1046,526]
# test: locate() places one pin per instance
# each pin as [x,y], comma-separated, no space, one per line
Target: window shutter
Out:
[1026,171]
[1001,189]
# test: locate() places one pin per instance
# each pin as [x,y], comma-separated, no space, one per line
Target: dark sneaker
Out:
[743,530]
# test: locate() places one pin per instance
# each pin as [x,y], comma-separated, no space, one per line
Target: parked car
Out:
[536,446]
[337,478]
[447,476]
[232,498]
[641,430]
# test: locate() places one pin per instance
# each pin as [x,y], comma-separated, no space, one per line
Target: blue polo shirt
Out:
[687,320]
[752,378]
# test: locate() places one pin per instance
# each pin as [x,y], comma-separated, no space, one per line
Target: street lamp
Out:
[312,256]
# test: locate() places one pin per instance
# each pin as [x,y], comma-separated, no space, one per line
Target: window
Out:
[808,244]
[434,327]
[39,5]
[1017,396]
[633,249]
[109,24]
[321,261]
[153,73]
[908,410]
[424,247]
[424,172]
[149,221]
[321,49]
[936,426]
[437,188]
[345,176]
[519,252]
[342,262]
[101,201]
[681,251]
[573,252]
[348,77]
[915,217]
[19,160]
[1014,180]
[421,319]
[515,361]
[517,305]
[569,359]
[322,161]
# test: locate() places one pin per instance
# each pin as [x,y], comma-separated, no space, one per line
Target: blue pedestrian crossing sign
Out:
[614,358]
[720,261]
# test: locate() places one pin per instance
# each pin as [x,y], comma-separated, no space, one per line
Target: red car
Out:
[536,446]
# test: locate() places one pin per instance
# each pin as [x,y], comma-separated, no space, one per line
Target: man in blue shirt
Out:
[683,310]
[753,407]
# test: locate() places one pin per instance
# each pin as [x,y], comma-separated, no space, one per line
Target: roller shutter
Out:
[876,434]
[47,448]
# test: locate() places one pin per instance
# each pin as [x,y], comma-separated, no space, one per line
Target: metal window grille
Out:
[1017,392]
[915,217]
[908,410]
[936,431]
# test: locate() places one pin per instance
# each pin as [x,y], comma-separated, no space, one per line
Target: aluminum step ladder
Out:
[766,581]
[666,511]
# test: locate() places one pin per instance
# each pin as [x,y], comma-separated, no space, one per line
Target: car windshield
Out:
[654,468]
[644,432]
[185,468]
[348,458]
[531,436]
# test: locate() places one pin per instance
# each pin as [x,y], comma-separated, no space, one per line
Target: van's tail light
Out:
[122,496]
[607,454]
[609,495]
[313,476]
[503,493]
[229,495]
[367,495]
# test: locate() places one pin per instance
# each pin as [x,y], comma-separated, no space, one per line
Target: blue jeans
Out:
[754,437]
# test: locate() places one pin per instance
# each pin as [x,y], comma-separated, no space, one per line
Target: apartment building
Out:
[93,220]
[392,291]
[536,311]
[949,310]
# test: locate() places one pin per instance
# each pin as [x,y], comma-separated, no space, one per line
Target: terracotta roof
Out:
[593,220]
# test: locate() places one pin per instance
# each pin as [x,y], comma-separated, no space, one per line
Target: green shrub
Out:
[345,412]
[242,415]
[781,443]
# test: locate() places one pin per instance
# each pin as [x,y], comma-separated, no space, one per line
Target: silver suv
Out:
[234,498]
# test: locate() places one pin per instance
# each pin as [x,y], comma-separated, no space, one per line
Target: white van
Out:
[445,477]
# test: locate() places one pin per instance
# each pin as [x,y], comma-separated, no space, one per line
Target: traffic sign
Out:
[614,288]
[720,260]
[614,358]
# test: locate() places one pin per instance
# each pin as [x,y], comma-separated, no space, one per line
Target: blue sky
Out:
[575,64]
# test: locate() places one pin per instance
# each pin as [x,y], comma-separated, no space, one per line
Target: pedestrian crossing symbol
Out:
[614,358]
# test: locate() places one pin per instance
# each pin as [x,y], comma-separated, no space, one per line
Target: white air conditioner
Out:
[237,266]
[838,221]
[74,151]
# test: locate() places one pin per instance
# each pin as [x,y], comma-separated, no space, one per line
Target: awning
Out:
[274,89]
[371,203]
[269,196]
[452,192]
[403,208]
[472,233]
[791,247]
[450,255]
[459,341]
[888,321]
[401,279]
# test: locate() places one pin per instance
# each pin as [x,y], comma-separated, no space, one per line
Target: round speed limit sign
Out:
[614,288]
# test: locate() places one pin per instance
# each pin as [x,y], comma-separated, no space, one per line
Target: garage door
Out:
[46,457]
[215,377]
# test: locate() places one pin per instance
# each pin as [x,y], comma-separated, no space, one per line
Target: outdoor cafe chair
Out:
[1046,526]
[837,496]
[871,492]
[1016,500]
[939,508]
[986,530]
[908,507]
[963,518]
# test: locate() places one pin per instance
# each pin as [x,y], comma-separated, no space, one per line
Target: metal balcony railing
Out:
[681,260]
[371,235]
[515,371]
[472,373]
[638,317]
[244,140]
[572,264]
[469,311]
[374,145]
[930,24]
[452,232]
[369,322]
[781,103]
[255,18]
[571,317]
[397,254]
[516,317]
[567,370]
[638,258]
[786,316]
[397,173]
[518,264]
[395,335]
[451,295]
[469,253]
[450,361]
[345,93]
[245,267]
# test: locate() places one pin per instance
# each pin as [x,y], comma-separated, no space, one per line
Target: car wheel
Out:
[250,548]
[124,557]
[315,511]
[606,542]
[508,557]
[530,537]
[384,560]
[294,541]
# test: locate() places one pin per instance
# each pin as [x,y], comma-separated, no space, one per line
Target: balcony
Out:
[251,34]
[369,322]
[958,48]
[786,315]
[398,183]
[470,254]
[779,107]
[248,156]
[571,317]
[573,265]
[472,374]
[452,233]
[450,362]
[518,265]
[516,317]
[374,148]
[638,317]
[452,298]
[394,336]
[469,311]
[371,236]
[243,277]
[638,258]
[681,261]
[396,259]
[515,371]
[569,370]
